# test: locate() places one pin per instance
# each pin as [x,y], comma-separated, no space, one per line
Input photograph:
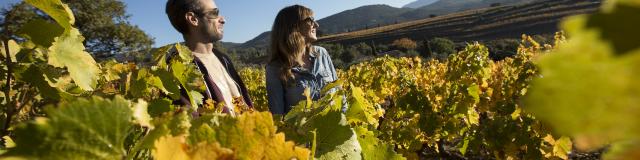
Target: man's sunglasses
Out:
[212,14]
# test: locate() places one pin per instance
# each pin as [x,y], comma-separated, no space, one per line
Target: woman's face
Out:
[308,29]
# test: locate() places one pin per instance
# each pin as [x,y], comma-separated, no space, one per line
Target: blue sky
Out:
[245,18]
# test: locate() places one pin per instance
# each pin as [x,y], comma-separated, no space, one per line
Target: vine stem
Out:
[10,104]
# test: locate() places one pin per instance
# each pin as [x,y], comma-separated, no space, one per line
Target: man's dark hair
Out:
[176,9]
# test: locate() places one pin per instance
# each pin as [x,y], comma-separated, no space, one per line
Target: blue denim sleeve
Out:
[275,90]
[332,68]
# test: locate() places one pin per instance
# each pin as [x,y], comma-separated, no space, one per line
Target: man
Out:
[201,25]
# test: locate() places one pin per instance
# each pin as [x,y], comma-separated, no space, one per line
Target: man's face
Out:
[212,23]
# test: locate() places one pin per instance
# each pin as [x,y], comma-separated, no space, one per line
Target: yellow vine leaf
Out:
[175,148]
[14,48]
[171,148]
[251,135]
[141,115]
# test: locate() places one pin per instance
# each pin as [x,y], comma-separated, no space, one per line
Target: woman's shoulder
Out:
[321,51]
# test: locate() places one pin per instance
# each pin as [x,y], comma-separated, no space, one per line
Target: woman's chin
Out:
[312,38]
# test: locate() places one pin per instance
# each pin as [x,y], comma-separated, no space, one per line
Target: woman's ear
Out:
[192,19]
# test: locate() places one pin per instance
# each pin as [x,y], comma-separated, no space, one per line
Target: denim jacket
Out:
[282,97]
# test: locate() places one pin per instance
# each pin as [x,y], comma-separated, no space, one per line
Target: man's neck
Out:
[200,47]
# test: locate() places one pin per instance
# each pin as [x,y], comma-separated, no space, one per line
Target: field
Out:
[549,101]
[475,25]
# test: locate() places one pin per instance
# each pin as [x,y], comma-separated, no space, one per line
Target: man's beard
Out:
[212,34]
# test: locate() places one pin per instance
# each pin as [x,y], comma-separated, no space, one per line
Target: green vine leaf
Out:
[588,89]
[68,51]
[60,12]
[360,110]
[34,76]
[93,128]
[42,37]
[373,148]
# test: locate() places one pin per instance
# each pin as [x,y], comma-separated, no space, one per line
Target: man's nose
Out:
[222,20]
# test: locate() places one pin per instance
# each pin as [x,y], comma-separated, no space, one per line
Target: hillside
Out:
[354,19]
[442,7]
[260,41]
[361,17]
[379,15]
[419,3]
[481,24]
[230,44]
[372,16]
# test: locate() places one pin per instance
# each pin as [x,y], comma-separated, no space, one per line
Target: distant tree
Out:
[334,49]
[419,45]
[433,15]
[496,4]
[426,49]
[374,50]
[349,55]
[502,48]
[221,47]
[235,57]
[442,47]
[250,53]
[543,39]
[15,14]
[404,44]
[104,25]
[363,49]
[382,48]
[412,53]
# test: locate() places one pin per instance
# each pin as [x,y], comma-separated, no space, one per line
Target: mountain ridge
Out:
[419,3]
[371,16]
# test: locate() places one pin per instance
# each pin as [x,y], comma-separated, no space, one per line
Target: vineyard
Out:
[478,24]
[549,101]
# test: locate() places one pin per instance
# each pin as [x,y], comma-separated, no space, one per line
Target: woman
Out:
[296,64]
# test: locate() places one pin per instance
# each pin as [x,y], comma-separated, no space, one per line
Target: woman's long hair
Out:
[287,42]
